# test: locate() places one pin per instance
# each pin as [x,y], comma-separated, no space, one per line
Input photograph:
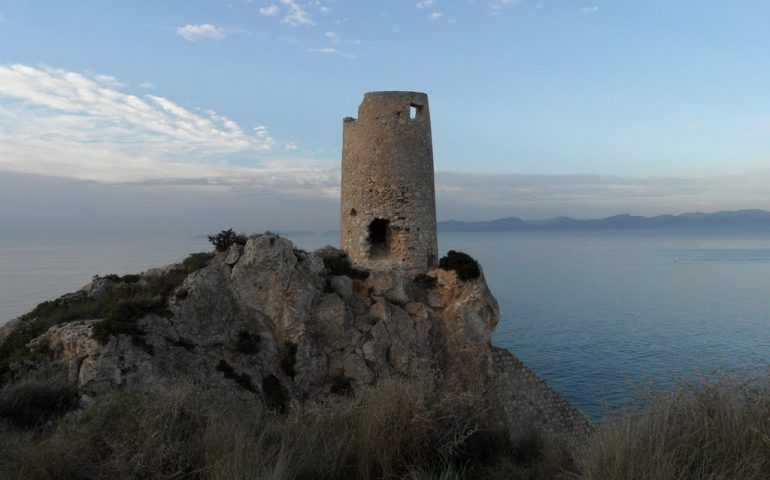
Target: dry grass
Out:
[382,432]
[118,438]
[718,428]
[395,430]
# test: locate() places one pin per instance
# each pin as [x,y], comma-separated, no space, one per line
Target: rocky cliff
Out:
[264,324]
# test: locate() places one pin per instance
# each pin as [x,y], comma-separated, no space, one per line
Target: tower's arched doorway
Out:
[379,238]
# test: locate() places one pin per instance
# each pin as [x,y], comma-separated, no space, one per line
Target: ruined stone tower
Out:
[388,215]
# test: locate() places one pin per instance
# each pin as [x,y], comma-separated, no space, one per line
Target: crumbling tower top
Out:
[388,214]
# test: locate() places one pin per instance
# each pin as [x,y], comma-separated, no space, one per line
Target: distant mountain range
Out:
[735,219]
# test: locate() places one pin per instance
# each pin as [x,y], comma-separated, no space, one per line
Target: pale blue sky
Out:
[249,96]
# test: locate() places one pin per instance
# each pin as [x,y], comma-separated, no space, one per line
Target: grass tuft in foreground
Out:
[718,428]
[395,430]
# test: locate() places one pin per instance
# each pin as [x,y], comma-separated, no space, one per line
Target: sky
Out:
[186,116]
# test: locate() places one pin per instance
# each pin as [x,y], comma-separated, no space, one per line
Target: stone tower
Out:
[388,215]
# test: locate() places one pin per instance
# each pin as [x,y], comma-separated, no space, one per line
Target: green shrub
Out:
[121,317]
[130,278]
[32,403]
[33,324]
[196,261]
[463,264]
[45,315]
[224,239]
[163,285]
[121,309]
[130,298]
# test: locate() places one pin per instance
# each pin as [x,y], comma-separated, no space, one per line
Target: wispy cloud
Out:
[425,3]
[590,8]
[2,18]
[147,85]
[336,38]
[298,15]
[499,4]
[325,9]
[435,16]
[201,31]
[332,51]
[333,36]
[269,11]
[68,124]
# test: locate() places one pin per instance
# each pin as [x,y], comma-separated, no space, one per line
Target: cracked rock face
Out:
[266,320]
[264,324]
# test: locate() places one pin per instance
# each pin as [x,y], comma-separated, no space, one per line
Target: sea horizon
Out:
[597,314]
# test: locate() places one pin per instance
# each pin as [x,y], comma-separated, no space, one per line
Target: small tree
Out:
[225,238]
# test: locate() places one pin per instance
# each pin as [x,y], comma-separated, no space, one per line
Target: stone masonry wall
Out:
[527,400]
[388,214]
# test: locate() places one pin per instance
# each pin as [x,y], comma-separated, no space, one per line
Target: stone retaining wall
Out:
[528,402]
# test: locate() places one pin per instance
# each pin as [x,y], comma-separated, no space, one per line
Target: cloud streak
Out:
[487,196]
[332,51]
[298,16]
[499,4]
[269,11]
[67,124]
[308,198]
[192,33]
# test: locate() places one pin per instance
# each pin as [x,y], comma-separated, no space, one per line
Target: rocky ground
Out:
[263,324]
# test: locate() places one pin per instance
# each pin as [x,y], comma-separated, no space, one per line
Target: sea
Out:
[600,315]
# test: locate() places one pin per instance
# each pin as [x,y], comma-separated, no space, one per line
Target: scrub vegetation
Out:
[718,428]
[463,264]
[224,239]
[122,301]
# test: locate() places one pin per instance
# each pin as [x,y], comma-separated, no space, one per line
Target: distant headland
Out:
[742,219]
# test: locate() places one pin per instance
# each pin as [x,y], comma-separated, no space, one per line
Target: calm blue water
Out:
[595,314]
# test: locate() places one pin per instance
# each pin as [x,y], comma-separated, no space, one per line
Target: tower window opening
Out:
[414,109]
[378,238]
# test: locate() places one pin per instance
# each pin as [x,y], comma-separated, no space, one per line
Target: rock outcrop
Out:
[264,324]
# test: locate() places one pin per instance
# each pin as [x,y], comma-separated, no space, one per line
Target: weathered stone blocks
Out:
[388,214]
